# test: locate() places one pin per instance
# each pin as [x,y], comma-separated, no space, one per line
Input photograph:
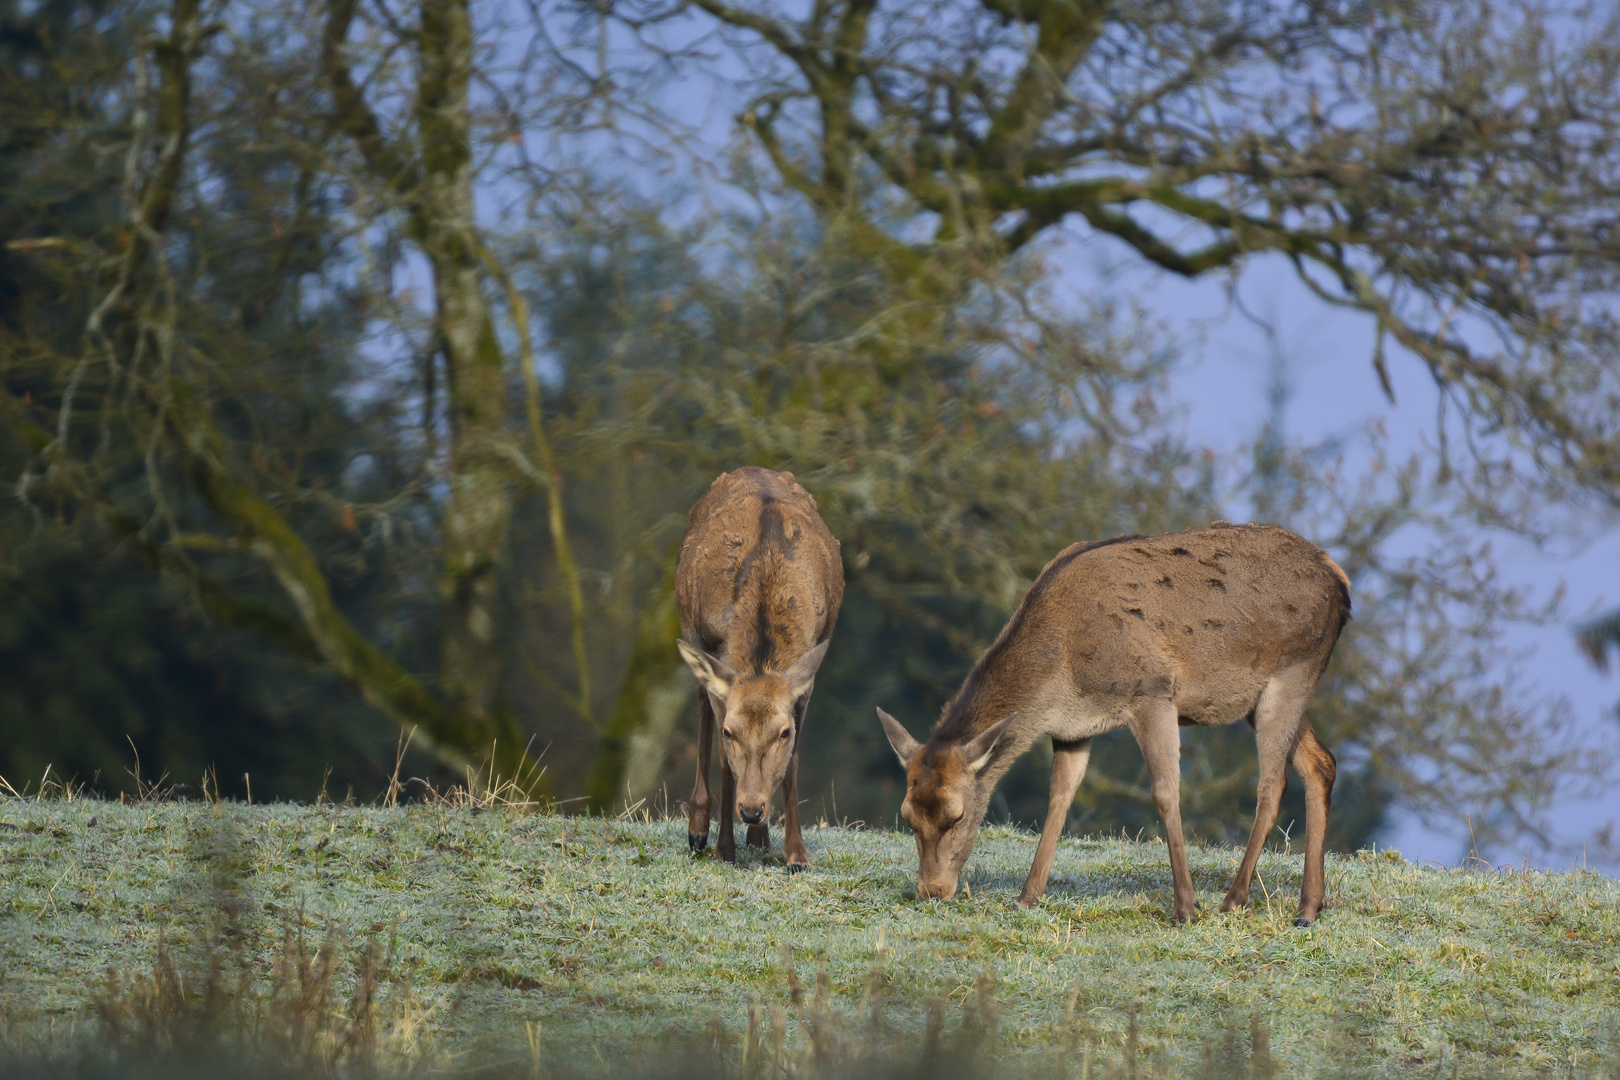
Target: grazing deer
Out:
[1152,633]
[759,584]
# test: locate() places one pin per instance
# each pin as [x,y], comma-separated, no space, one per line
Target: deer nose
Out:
[930,890]
[751,814]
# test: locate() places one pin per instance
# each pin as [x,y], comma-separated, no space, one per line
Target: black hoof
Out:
[1199,904]
[1302,923]
[697,842]
[796,867]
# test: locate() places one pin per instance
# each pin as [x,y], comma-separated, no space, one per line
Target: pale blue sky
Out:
[1222,389]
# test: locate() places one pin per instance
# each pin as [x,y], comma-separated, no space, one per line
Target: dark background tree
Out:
[102,660]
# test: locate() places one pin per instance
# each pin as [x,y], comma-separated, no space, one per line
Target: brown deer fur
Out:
[1152,633]
[759,584]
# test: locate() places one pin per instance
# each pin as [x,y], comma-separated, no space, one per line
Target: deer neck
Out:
[992,692]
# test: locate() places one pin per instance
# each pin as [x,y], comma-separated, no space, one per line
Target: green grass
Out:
[611,939]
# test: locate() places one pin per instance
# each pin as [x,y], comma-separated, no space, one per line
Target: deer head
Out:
[757,715]
[947,791]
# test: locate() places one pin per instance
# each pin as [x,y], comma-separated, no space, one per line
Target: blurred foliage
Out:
[104,662]
[968,459]
[357,332]
[112,677]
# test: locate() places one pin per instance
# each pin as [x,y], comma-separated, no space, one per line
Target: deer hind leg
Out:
[1159,736]
[697,814]
[1277,719]
[1069,760]
[1316,767]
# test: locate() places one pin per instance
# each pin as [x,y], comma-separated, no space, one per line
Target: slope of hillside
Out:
[582,939]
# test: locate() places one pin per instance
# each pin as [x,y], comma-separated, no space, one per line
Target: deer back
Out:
[1203,617]
[760,579]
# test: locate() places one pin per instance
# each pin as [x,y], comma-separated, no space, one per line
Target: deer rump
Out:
[759,585]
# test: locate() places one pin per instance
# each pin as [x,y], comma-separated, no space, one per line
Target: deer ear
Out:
[905,747]
[978,751]
[801,674]
[715,675]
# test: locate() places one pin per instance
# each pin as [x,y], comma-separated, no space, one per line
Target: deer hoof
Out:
[697,842]
[1303,922]
[797,867]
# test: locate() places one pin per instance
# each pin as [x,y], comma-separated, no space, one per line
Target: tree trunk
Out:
[636,739]
[320,631]
[479,510]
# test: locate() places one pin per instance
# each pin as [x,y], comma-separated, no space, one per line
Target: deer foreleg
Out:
[726,846]
[697,813]
[1069,760]
[793,849]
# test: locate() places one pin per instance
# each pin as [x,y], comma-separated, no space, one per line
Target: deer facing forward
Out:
[1203,627]
[758,585]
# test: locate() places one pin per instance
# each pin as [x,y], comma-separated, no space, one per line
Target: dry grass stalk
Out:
[322,1009]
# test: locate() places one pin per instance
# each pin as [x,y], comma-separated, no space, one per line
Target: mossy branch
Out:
[268,536]
[320,630]
[353,116]
[549,478]
[213,595]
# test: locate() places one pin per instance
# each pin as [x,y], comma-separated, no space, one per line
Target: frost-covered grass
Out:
[594,940]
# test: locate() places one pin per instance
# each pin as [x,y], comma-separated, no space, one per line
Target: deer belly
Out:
[1214,699]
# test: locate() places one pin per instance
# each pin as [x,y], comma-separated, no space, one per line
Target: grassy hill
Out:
[555,943]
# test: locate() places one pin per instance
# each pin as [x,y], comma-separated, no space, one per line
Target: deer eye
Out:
[786,732]
[951,824]
[727,733]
